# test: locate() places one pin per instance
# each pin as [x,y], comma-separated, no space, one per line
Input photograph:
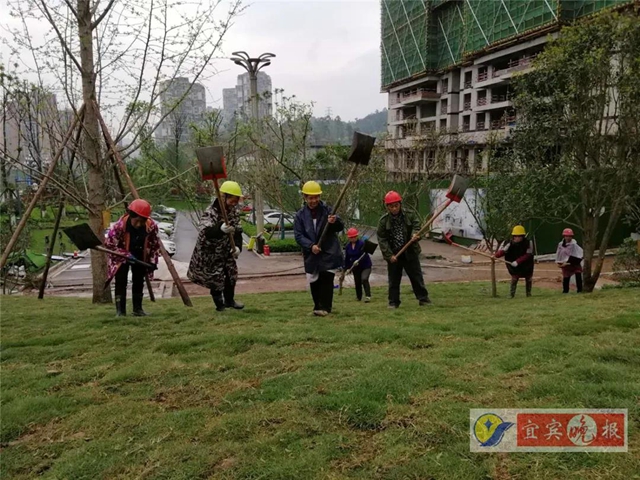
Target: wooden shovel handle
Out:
[152,296]
[424,227]
[100,248]
[357,262]
[325,230]
[223,209]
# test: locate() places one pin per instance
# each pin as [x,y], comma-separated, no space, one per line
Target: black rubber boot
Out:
[121,306]
[528,285]
[229,302]
[218,300]
[137,306]
[424,301]
[514,286]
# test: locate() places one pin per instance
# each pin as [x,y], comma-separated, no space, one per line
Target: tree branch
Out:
[102,15]
[63,42]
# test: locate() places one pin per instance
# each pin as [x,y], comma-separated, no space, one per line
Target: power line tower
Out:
[329,112]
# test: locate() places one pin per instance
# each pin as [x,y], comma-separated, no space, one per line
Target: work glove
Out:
[227,228]
[514,264]
[236,253]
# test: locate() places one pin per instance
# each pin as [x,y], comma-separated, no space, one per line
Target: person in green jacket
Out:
[395,229]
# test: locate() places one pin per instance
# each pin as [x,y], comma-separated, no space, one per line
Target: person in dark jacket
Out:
[320,261]
[569,258]
[213,262]
[353,252]
[395,229]
[519,255]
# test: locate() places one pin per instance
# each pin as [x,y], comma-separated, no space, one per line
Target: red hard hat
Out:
[352,232]
[392,197]
[140,207]
[567,232]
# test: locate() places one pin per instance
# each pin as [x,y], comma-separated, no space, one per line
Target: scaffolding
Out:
[423,36]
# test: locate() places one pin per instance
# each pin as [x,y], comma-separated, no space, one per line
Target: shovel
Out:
[454,194]
[369,248]
[212,167]
[447,238]
[360,154]
[83,237]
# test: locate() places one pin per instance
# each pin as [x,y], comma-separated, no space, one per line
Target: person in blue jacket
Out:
[361,272]
[320,261]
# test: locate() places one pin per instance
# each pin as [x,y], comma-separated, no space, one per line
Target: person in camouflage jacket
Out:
[213,263]
[395,229]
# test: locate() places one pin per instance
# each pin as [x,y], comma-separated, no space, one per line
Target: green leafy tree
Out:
[579,125]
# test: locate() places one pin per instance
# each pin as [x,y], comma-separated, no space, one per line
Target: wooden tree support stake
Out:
[134,192]
[41,188]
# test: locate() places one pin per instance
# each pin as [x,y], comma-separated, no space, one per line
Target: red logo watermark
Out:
[539,430]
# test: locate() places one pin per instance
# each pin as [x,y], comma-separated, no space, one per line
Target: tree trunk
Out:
[590,238]
[92,151]
[597,262]
[494,282]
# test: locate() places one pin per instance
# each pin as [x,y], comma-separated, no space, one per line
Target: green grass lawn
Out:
[274,393]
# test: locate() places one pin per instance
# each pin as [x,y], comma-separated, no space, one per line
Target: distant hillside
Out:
[326,130]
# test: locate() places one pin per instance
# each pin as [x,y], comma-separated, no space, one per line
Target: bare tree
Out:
[117,59]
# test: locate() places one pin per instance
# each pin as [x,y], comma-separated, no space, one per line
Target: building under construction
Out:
[447,64]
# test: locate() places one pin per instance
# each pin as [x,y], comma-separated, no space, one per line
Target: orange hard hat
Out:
[392,197]
[140,207]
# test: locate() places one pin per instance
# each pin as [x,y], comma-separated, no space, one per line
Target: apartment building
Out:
[447,67]
[189,105]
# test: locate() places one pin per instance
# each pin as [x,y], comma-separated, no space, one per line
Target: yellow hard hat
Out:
[311,188]
[518,230]
[231,188]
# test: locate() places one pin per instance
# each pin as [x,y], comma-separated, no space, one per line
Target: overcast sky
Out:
[326,52]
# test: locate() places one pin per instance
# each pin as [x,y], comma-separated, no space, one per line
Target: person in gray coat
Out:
[320,261]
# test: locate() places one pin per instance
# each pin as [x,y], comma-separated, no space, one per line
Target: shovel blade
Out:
[82,236]
[457,188]
[211,162]
[361,148]
[370,247]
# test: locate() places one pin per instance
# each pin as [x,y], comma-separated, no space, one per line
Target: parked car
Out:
[166,227]
[169,246]
[166,210]
[160,217]
[274,218]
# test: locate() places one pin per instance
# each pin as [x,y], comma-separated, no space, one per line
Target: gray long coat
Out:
[212,258]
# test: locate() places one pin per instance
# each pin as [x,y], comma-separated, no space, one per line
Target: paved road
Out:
[185,237]
[75,273]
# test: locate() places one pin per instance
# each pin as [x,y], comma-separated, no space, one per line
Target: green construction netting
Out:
[404,32]
[420,35]
[572,9]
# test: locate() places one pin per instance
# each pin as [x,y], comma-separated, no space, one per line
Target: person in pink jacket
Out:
[569,258]
[136,235]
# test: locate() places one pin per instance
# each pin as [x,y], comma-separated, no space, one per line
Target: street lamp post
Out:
[253,66]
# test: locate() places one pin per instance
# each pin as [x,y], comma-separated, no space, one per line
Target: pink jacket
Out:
[118,240]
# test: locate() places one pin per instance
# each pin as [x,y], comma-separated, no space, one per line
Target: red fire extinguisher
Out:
[267,250]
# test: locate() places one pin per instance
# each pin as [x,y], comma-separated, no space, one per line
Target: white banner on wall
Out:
[457,218]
